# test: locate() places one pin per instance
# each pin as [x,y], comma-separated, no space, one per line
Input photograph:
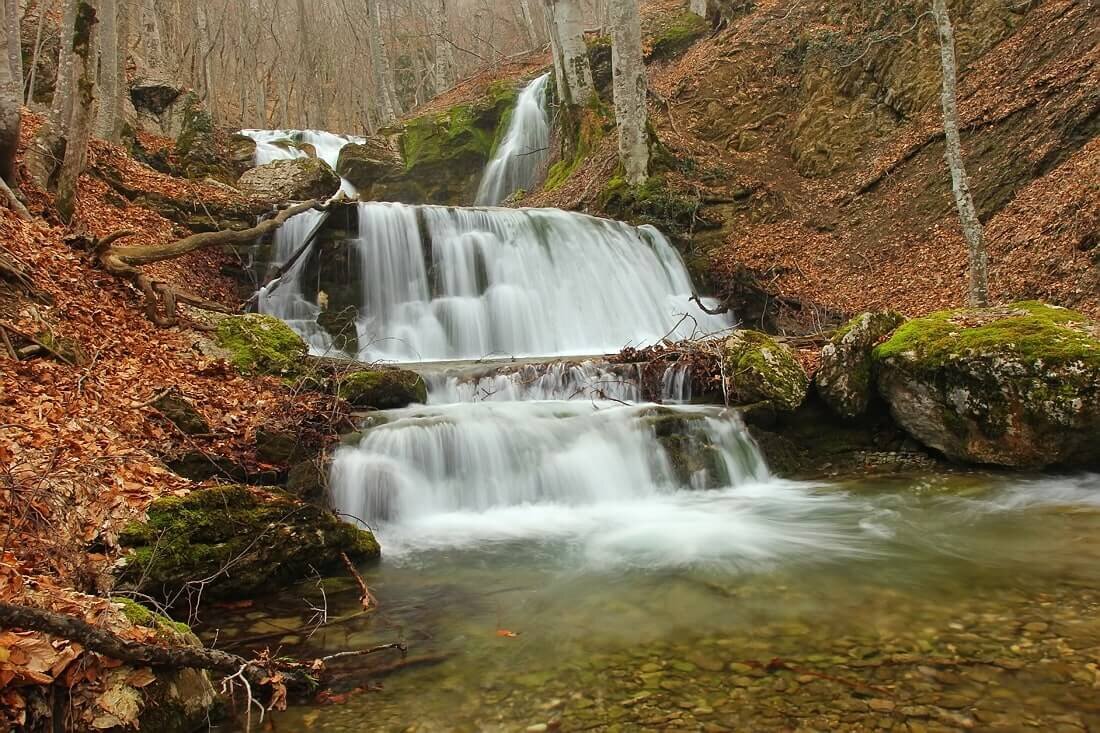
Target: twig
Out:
[365,596]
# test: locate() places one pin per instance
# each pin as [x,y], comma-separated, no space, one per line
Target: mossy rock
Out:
[757,368]
[671,35]
[1013,385]
[240,542]
[368,164]
[652,203]
[181,412]
[383,389]
[300,179]
[280,447]
[166,628]
[308,479]
[581,130]
[844,377]
[340,323]
[200,152]
[260,344]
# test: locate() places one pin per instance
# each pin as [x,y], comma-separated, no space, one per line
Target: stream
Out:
[560,555]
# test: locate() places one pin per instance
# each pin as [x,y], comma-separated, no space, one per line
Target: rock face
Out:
[300,179]
[370,164]
[844,379]
[758,369]
[259,344]
[241,541]
[1015,385]
[383,389]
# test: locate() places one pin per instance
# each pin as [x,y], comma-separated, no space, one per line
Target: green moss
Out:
[759,369]
[383,389]
[653,202]
[139,615]
[238,541]
[581,130]
[261,344]
[672,35]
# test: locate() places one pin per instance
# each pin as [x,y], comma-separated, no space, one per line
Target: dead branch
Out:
[123,262]
[13,201]
[365,596]
[722,307]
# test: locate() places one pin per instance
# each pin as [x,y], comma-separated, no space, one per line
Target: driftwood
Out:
[124,262]
[296,675]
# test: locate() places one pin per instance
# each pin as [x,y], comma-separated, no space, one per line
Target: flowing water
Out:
[272,145]
[559,554]
[523,151]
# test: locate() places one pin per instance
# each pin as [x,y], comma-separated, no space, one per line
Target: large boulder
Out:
[844,378]
[383,389]
[300,179]
[260,344]
[1014,385]
[368,164]
[758,369]
[238,541]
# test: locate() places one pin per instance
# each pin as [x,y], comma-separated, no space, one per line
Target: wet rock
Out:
[308,480]
[242,151]
[759,369]
[300,179]
[844,377]
[383,389]
[341,325]
[279,447]
[1014,385]
[238,541]
[181,412]
[369,164]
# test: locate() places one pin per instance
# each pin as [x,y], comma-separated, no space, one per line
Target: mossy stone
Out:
[181,412]
[383,389]
[844,377]
[261,344]
[673,34]
[240,542]
[1013,385]
[757,368]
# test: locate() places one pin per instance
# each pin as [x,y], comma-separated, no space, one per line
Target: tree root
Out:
[161,298]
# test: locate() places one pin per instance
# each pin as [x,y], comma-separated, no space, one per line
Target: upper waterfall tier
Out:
[433,283]
[524,149]
[274,145]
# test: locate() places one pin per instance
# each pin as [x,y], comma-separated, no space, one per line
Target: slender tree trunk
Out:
[960,184]
[529,24]
[629,79]
[444,70]
[204,51]
[571,69]
[43,10]
[11,96]
[110,48]
[699,7]
[14,48]
[379,66]
[80,122]
[150,35]
[63,89]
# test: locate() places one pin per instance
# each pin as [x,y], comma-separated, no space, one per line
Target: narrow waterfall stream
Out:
[561,554]
[523,151]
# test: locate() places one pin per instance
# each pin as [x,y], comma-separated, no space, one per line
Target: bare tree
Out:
[960,184]
[84,42]
[699,7]
[11,30]
[572,71]
[444,70]
[114,45]
[11,95]
[629,82]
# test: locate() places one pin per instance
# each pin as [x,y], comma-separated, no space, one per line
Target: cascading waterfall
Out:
[524,149]
[474,457]
[513,282]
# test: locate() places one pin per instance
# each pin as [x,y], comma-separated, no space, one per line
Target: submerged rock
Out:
[844,378]
[383,389]
[260,344]
[300,179]
[757,368]
[238,541]
[1014,385]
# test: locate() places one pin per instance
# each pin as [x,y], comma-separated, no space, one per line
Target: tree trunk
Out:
[10,116]
[444,71]
[571,69]
[150,35]
[32,77]
[960,184]
[63,89]
[110,65]
[699,7]
[379,66]
[629,79]
[384,56]
[204,51]
[14,47]
[80,121]
[528,24]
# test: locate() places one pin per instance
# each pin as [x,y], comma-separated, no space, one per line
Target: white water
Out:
[513,282]
[524,149]
[273,145]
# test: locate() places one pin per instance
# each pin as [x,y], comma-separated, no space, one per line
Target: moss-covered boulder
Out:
[369,164]
[844,378]
[242,153]
[238,541]
[670,35]
[757,368]
[445,154]
[300,179]
[341,325]
[200,152]
[1013,385]
[383,389]
[260,344]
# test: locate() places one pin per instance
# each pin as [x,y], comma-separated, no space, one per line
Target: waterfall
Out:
[274,145]
[480,456]
[522,151]
[441,283]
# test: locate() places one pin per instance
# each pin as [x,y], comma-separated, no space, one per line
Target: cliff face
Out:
[808,141]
